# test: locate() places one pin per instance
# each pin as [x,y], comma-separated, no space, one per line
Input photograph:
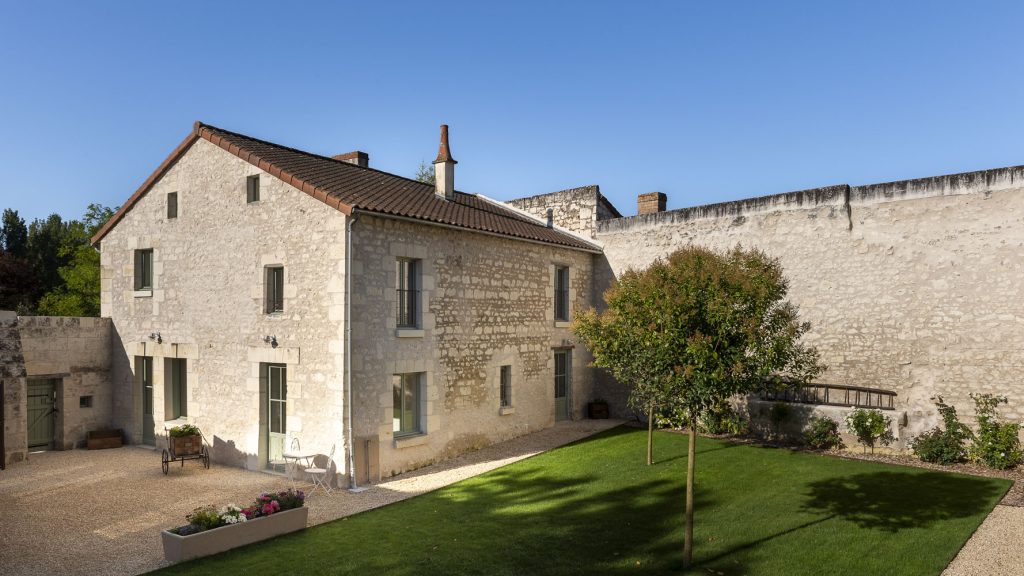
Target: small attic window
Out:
[252,189]
[172,205]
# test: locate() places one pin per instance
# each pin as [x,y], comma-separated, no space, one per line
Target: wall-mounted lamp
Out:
[272,340]
[156,336]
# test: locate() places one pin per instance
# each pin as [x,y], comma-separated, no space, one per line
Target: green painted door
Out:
[563,368]
[144,376]
[42,409]
[277,402]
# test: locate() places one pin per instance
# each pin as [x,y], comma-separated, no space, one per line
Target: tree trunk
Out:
[650,435]
[690,457]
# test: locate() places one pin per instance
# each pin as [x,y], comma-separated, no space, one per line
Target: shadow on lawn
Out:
[892,501]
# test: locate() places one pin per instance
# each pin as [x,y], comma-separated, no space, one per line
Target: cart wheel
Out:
[165,459]
[206,458]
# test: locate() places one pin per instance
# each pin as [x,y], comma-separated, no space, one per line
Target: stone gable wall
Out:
[575,209]
[208,304]
[910,286]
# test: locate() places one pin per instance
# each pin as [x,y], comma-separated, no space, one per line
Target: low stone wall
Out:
[12,381]
[759,412]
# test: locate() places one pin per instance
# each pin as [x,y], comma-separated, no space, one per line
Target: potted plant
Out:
[211,531]
[186,440]
[597,409]
[103,439]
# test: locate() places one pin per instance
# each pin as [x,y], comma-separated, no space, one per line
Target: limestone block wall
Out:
[207,304]
[486,302]
[911,286]
[76,351]
[575,209]
[12,380]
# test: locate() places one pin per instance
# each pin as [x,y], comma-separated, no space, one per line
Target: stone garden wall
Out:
[12,379]
[911,286]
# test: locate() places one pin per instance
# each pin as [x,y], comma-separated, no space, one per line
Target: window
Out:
[172,205]
[175,389]
[85,401]
[408,274]
[144,269]
[275,289]
[506,386]
[252,189]
[562,293]
[407,403]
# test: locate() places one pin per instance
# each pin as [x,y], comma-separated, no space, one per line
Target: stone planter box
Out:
[103,439]
[178,548]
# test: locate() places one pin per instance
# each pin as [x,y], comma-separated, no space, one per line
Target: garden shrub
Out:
[996,444]
[943,445]
[722,419]
[822,433]
[870,427]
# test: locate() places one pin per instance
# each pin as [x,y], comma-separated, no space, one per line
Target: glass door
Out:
[277,399]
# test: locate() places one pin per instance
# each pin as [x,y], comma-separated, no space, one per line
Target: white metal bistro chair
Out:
[322,476]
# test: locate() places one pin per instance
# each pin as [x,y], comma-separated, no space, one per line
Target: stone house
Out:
[265,293]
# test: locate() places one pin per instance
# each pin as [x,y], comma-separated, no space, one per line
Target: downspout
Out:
[349,441]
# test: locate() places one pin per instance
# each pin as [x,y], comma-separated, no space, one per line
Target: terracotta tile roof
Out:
[351,188]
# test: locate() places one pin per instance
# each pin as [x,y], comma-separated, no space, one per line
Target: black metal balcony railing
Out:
[408,308]
[835,395]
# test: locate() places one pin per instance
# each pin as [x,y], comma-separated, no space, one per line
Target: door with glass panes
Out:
[277,403]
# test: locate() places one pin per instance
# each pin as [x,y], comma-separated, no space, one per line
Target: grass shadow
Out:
[891,501]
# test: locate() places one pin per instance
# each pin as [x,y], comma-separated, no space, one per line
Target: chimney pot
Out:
[551,218]
[650,203]
[444,168]
[356,157]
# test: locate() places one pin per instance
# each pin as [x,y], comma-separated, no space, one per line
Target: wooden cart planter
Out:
[183,448]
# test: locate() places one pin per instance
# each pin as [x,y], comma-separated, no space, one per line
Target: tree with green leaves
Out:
[14,234]
[695,329]
[79,292]
[425,173]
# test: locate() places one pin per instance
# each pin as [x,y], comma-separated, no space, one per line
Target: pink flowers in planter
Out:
[266,504]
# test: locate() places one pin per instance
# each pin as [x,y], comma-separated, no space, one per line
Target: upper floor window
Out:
[506,386]
[252,189]
[144,269]
[562,293]
[408,282]
[172,205]
[275,289]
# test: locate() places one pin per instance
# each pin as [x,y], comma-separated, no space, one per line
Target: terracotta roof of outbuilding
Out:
[351,188]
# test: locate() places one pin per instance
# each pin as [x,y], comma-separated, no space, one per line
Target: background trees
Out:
[695,329]
[48,266]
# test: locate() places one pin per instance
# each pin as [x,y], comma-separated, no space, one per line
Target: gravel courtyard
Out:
[101,512]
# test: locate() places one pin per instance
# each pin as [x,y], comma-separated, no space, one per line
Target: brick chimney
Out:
[650,203]
[358,158]
[444,168]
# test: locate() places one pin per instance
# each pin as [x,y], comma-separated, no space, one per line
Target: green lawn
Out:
[594,508]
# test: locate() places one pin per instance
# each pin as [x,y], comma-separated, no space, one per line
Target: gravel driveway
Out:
[101,512]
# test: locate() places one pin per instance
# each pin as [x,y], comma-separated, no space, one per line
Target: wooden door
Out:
[42,412]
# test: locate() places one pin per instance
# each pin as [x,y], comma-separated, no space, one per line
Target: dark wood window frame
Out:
[562,293]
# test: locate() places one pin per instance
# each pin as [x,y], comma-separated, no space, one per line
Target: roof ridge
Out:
[313,154]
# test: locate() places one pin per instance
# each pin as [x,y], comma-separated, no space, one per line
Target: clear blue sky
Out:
[706,101]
